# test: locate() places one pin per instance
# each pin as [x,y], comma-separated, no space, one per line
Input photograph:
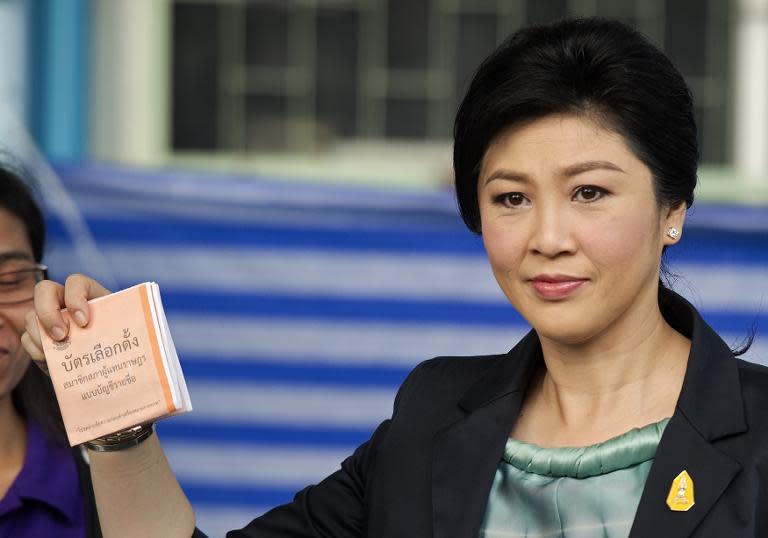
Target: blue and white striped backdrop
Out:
[297,310]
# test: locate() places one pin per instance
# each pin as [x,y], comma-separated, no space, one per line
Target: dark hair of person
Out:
[596,68]
[34,396]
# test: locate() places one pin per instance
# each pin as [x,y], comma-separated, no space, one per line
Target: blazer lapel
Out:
[709,408]
[682,449]
[466,453]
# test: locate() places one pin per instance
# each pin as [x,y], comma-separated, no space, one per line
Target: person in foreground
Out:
[44,484]
[621,413]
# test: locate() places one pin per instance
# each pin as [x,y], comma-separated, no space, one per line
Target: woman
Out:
[44,485]
[575,158]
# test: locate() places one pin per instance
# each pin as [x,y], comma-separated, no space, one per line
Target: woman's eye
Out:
[512,199]
[588,193]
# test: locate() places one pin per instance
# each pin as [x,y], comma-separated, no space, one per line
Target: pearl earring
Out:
[673,232]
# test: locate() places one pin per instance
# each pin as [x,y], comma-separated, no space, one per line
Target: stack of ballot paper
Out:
[118,371]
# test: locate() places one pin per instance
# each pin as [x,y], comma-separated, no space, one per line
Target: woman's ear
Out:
[673,223]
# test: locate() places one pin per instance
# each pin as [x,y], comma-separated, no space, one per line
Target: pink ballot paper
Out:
[120,370]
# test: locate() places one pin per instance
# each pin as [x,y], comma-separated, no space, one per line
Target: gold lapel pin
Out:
[680,498]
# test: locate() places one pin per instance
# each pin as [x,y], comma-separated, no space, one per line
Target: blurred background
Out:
[282,169]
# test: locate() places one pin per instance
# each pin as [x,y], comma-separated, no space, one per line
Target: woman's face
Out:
[572,228]
[15,253]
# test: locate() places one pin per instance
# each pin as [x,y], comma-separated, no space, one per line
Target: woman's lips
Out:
[556,287]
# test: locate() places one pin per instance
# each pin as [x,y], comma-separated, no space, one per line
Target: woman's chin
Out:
[566,333]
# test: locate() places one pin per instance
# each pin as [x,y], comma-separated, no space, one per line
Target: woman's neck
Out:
[629,376]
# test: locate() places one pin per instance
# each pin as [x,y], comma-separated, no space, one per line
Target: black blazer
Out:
[427,472]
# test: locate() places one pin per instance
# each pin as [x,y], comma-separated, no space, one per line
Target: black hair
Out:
[598,68]
[17,199]
[33,397]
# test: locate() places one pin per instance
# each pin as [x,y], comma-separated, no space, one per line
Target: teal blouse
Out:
[586,492]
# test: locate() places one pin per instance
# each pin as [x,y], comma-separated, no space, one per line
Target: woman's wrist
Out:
[121,440]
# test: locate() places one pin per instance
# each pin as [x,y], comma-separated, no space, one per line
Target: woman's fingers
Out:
[30,341]
[78,290]
[51,297]
[49,300]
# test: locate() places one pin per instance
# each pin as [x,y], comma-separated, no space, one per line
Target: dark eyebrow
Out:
[14,255]
[580,168]
[568,171]
[508,175]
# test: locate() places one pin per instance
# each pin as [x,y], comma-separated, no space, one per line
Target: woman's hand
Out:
[50,298]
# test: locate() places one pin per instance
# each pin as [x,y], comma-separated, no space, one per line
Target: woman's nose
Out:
[552,234]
